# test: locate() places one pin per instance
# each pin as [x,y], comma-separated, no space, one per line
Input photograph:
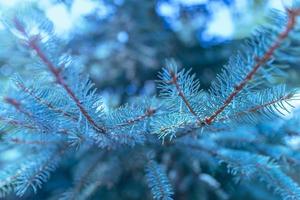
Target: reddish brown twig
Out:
[17,105]
[30,142]
[14,122]
[292,14]
[257,108]
[32,43]
[149,112]
[44,102]
[174,81]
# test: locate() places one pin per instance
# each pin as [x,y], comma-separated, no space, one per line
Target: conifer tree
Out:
[184,143]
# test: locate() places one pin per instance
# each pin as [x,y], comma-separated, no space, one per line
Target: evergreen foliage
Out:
[158,181]
[55,120]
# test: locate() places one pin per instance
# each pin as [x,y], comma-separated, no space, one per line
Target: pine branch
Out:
[44,102]
[149,112]
[16,123]
[174,81]
[73,194]
[245,165]
[257,108]
[92,172]
[8,184]
[32,43]
[158,182]
[17,105]
[30,142]
[31,173]
[181,91]
[260,61]
[35,175]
